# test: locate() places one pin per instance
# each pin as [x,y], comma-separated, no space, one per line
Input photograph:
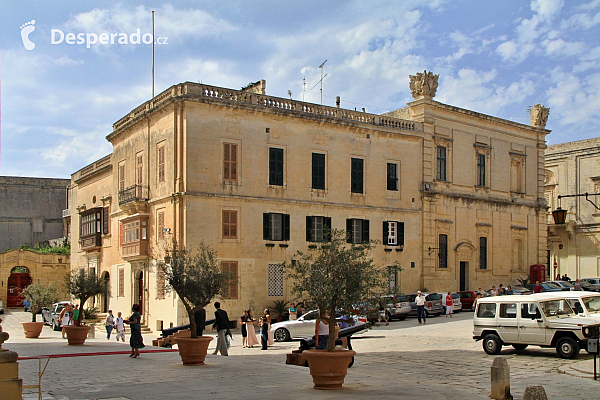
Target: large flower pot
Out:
[328,369]
[32,329]
[76,335]
[193,350]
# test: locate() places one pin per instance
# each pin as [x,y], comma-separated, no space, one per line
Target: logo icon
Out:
[26,29]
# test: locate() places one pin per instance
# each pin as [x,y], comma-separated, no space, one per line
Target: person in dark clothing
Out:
[221,325]
[200,319]
[264,333]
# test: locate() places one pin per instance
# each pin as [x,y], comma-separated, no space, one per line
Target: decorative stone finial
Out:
[538,116]
[423,85]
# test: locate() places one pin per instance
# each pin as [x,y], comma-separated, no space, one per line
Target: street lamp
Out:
[560,215]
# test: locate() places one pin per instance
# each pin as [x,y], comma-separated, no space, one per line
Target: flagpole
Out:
[153,40]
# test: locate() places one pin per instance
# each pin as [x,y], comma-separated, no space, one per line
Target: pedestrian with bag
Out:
[109,324]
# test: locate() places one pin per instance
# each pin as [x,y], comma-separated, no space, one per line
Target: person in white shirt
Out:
[120,327]
[420,301]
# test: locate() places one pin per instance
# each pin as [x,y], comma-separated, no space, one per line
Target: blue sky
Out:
[59,101]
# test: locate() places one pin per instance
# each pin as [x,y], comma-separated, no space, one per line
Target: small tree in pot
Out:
[82,285]
[197,278]
[335,275]
[38,295]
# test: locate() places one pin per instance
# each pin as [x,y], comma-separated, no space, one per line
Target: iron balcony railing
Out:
[133,193]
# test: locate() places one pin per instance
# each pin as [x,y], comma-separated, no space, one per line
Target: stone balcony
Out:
[134,199]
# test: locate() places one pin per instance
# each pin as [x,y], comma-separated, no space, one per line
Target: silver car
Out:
[300,328]
[396,307]
[456,304]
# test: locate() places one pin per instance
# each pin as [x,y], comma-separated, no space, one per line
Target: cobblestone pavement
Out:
[438,360]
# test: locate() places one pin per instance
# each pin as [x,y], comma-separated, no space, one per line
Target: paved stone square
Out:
[405,360]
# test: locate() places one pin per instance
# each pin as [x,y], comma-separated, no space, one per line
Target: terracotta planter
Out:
[32,329]
[76,335]
[193,350]
[328,369]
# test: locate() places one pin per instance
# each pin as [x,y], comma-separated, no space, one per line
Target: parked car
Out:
[433,304]
[563,284]
[302,327]
[520,290]
[467,297]
[51,315]
[548,287]
[1,307]
[456,303]
[519,321]
[591,284]
[396,306]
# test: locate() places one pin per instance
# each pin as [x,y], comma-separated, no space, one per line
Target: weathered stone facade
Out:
[257,177]
[573,168]
[31,210]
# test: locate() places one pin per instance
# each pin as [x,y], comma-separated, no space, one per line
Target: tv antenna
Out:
[321,80]
[303,87]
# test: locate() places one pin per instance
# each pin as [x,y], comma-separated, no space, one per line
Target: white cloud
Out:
[561,48]
[547,10]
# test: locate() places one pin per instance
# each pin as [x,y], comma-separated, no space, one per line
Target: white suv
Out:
[543,320]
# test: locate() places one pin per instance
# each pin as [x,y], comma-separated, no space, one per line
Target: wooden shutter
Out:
[266,226]
[400,233]
[309,235]
[365,231]
[140,169]
[286,226]
[327,229]
[105,221]
[160,225]
[349,230]
[386,232]
[161,163]
[120,234]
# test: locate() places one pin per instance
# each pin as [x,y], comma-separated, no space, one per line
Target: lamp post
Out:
[560,214]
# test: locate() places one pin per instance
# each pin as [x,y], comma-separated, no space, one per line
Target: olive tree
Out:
[40,295]
[84,284]
[336,275]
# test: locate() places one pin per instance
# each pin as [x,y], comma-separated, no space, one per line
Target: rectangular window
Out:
[131,232]
[318,171]
[38,225]
[275,166]
[481,170]
[443,251]
[318,229]
[275,284]
[276,226]
[139,170]
[161,163]
[393,233]
[486,310]
[508,310]
[160,283]
[160,225]
[122,176]
[90,222]
[357,230]
[105,220]
[229,224]
[482,253]
[357,175]
[230,166]
[231,287]
[392,176]
[121,282]
[441,163]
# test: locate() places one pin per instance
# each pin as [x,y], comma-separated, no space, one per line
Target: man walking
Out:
[221,324]
[420,301]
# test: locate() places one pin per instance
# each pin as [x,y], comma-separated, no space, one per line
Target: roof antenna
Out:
[304,88]
[290,94]
[321,80]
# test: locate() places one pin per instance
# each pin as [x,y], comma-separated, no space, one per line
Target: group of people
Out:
[249,338]
[116,324]
[69,315]
[136,340]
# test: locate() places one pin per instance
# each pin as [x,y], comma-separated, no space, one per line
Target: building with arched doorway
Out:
[19,268]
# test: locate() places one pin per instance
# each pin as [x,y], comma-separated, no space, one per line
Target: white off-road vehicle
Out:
[520,321]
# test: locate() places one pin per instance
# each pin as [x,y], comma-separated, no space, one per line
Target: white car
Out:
[543,319]
[456,304]
[299,328]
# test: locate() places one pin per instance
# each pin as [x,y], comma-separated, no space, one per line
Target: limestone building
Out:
[571,169]
[454,196]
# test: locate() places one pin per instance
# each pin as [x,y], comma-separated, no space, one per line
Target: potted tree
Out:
[82,285]
[38,295]
[335,275]
[197,279]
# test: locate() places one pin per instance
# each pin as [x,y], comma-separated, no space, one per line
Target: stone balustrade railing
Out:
[93,167]
[189,89]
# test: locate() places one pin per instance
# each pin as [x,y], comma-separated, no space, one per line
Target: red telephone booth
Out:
[537,272]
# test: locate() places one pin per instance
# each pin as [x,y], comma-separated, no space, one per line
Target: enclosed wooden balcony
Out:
[134,237]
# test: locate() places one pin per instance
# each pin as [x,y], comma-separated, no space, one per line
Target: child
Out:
[120,327]
[264,333]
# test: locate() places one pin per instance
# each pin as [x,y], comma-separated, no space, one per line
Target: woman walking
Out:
[243,320]
[135,341]
[66,318]
[267,314]
[449,305]
[109,324]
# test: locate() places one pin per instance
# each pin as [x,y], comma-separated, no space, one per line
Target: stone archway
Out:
[18,280]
